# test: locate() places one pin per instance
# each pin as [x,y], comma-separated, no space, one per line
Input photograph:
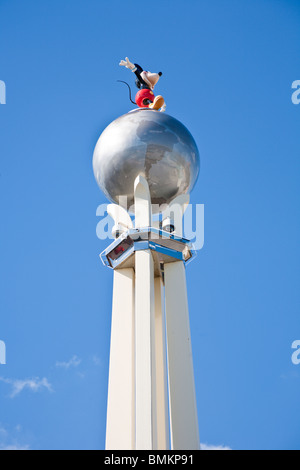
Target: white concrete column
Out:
[145,377]
[162,408]
[182,397]
[145,390]
[175,212]
[120,426]
[142,203]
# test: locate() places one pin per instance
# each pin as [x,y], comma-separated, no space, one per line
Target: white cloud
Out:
[9,442]
[211,447]
[81,375]
[34,385]
[3,432]
[96,360]
[13,447]
[74,362]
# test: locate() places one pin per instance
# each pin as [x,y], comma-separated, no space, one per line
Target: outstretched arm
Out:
[135,68]
[126,63]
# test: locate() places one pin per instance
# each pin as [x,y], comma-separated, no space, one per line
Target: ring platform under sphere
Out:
[148,143]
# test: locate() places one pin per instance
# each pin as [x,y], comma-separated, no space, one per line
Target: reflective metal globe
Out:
[148,143]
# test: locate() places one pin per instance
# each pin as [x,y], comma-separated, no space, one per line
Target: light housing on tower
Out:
[166,247]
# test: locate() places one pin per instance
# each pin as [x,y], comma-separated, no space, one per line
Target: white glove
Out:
[126,63]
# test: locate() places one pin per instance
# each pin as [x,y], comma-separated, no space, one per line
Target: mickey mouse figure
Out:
[146,82]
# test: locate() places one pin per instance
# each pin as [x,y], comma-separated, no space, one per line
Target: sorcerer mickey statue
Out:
[146,82]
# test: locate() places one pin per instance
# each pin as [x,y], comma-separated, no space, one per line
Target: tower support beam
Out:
[145,387]
[145,398]
[182,397]
[120,425]
[162,409]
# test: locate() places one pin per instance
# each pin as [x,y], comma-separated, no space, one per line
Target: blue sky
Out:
[228,68]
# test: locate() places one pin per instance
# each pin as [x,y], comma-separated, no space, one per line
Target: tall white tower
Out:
[146,163]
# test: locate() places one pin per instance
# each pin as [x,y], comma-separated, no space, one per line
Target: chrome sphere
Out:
[148,143]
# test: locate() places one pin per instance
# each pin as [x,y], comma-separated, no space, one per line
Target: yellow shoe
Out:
[157,103]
